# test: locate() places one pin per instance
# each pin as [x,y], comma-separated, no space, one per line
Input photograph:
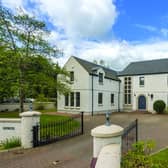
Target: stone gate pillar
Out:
[28,120]
[107,144]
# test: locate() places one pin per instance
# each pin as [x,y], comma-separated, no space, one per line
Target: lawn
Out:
[53,125]
[44,118]
[161,156]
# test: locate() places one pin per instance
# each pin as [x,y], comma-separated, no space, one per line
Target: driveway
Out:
[77,152]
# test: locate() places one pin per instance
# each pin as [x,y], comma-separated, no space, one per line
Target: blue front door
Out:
[142,103]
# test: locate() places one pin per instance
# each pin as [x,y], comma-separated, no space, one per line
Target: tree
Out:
[102,62]
[24,38]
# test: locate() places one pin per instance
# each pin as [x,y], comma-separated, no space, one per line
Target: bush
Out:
[159,106]
[39,106]
[139,156]
[11,143]
[41,98]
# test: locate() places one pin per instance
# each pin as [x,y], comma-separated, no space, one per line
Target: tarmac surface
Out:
[77,152]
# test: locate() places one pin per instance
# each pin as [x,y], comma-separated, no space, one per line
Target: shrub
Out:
[159,106]
[139,156]
[41,98]
[11,143]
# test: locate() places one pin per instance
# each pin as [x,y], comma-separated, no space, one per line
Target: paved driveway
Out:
[77,152]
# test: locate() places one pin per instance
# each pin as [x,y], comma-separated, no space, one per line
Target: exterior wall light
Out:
[151,96]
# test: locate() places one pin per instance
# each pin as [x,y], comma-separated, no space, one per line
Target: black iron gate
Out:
[53,131]
[130,136]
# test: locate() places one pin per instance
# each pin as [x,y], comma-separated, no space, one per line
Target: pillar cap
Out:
[104,131]
[30,114]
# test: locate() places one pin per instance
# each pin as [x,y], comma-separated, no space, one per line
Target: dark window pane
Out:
[66,100]
[129,99]
[72,98]
[112,98]
[125,99]
[101,77]
[100,98]
[141,81]
[71,76]
[77,99]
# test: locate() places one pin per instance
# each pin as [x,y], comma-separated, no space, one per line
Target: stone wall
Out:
[10,128]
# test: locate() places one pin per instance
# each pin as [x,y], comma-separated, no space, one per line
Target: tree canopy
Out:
[26,66]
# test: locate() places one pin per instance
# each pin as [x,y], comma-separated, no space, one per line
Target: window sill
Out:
[100,104]
[112,104]
[70,107]
[141,86]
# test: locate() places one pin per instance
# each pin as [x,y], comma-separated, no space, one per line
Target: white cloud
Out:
[147,27]
[80,18]
[117,54]
[77,20]
[164,31]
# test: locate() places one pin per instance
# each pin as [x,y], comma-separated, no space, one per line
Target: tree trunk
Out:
[21,100]
[21,89]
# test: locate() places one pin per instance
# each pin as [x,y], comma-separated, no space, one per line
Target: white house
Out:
[96,89]
[142,83]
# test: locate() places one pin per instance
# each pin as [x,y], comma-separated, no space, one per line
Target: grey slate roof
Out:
[146,67]
[89,67]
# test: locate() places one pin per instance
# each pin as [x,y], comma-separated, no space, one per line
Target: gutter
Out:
[119,96]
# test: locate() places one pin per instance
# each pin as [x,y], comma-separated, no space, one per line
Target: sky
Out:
[116,31]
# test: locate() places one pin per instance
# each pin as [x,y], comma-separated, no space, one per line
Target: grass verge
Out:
[161,156]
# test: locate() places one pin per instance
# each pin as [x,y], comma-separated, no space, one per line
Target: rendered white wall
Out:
[107,88]
[12,106]
[156,84]
[10,128]
[83,84]
[80,84]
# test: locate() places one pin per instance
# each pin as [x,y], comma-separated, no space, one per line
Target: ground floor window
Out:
[72,99]
[100,98]
[66,99]
[112,98]
[77,99]
[127,99]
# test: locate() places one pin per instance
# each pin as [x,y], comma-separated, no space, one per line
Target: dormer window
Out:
[100,77]
[71,76]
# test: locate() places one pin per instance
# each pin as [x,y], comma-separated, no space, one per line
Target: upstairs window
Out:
[71,76]
[72,98]
[67,100]
[100,77]
[141,81]
[112,98]
[100,98]
[77,99]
